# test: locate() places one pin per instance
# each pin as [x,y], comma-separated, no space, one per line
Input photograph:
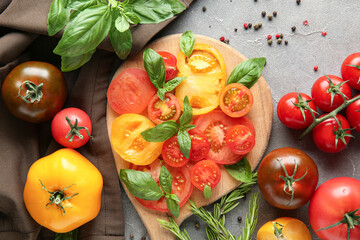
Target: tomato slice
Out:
[236,100]
[153,168]
[181,186]
[170,64]
[215,125]
[160,111]
[130,91]
[240,139]
[205,172]
[171,153]
[200,146]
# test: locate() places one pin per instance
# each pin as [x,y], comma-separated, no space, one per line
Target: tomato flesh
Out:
[170,62]
[171,153]
[240,139]
[236,100]
[205,172]
[164,110]
[199,145]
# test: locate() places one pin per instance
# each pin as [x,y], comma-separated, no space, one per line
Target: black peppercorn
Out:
[279,41]
[143,238]
[293,28]
[239,219]
[263,13]
[275,13]
[286,42]
[270,17]
[235,29]
[249,25]
[131,236]
[298,2]
[197,225]
[204,9]
[281,35]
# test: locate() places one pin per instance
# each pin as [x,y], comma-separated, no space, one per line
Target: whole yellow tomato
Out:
[63,191]
[284,228]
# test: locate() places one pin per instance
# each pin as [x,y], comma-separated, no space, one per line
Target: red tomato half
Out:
[329,204]
[205,172]
[181,186]
[153,168]
[160,111]
[324,137]
[171,153]
[321,96]
[236,100]
[130,91]
[215,125]
[170,64]
[199,145]
[240,139]
[78,135]
[350,70]
[353,115]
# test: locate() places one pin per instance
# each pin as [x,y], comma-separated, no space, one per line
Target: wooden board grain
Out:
[260,114]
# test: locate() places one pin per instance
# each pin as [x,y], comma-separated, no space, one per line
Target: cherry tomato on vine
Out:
[287,178]
[350,70]
[236,100]
[71,127]
[160,111]
[240,139]
[328,137]
[205,172]
[353,115]
[293,110]
[170,64]
[171,153]
[34,91]
[336,200]
[327,90]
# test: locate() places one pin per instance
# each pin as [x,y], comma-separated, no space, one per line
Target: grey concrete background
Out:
[289,68]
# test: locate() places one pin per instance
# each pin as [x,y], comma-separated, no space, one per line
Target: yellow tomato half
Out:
[206,76]
[292,229]
[127,141]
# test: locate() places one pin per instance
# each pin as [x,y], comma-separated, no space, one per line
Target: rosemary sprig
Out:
[172,226]
[251,218]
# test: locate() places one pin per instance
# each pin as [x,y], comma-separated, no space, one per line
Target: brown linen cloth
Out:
[22,143]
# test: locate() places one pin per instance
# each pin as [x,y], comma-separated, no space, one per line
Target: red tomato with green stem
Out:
[71,127]
[287,178]
[353,114]
[170,62]
[328,92]
[332,135]
[240,139]
[334,209]
[205,172]
[294,109]
[164,110]
[350,70]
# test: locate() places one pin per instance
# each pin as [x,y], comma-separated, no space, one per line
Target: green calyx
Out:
[75,130]
[58,197]
[341,133]
[304,105]
[335,90]
[290,180]
[33,92]
[278,231]
[350,219]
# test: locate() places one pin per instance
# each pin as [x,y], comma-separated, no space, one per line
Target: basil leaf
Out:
[85,32]
[71,63]
[121,42]
[155,67]
[177,6]
[188,127]
[169,86]
[122,24]
[160,132]
[187,112]
[73,235]
[80,5]
[247,72]
[141,184]
[58,16]
[165,179]
[207,191]
[184,141]
[187,43]
[173,206]
[241,170]
[132,17]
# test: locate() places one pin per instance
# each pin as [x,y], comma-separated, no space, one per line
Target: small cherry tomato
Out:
[160,111]
[71,127]
[293,111]
[170,62]
[236,100]
[350,70]
[287,178]
[171,153]
[200,146]
[328,137]
[205,172]
[240,139]
[327,90]
[353,115]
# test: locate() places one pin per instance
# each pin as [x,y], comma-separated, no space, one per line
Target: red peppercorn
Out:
[246,26]
[277,35]
[306,22]
[222,39]
[316,68]
[269,37]
[324,33]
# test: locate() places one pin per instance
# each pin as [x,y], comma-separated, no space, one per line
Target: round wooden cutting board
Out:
[261,115]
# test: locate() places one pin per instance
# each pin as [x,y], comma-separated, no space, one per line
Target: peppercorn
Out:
[204,9]
[260,25]
[298,2]
[293,28]
[143,238]
[222,39]
[270,41]
[269,17]
[277,35]
[227,41]
[256,26]
[246,26]
[239,219]
[281,35]
[324,33]
[263,13]
[131,236]
[197,225]
[269,37]
[235,29]
[275,13]
[279,41]
[286,42]
[316,68]
[250,25]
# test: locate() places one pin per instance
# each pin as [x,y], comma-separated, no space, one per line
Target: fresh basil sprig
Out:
[247,72]
[88,22]
[166,130]
[187,43]
[142,185]
[241,170]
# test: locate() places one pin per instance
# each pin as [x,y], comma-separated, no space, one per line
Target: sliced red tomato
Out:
[236,100]
[205,172]
[130,91]
[240,139]
[215,125]
[200,146]
[153,168]
[164,110]
[170,64]
[171,153]
[181,186]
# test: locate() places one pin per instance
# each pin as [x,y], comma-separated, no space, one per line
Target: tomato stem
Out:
[33,92]
[278,231]
[75,130]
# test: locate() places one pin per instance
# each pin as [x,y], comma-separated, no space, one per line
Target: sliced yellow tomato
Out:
[127,141]
[206,76]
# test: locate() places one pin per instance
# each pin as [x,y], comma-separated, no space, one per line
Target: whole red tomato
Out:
[71,127]
[327,95]
[350,70]
[334,201]
[293,111]
[329,138]
[34,91]
[353,114]
[287,178]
